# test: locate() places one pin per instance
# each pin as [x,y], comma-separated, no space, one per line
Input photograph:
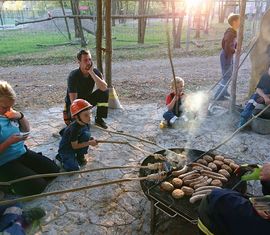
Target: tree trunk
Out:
[66,22]
[238,54]
[173,23]
[178,36]
[99,35]
[142,21]
[77,22]
[114,10]
[108,57]
[198,23]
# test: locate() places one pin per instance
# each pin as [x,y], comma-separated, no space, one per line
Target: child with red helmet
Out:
[76,137]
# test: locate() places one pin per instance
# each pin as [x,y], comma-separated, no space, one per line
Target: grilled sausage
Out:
[216,183]
[176,182]
[208,158]
[227,168]
[178,193]
[218,163]
[196,198]
[187,190]
[201,165]
[206,191]
[214,175]
[198,168]
[228,161]
[202,161]
[192,176]
[201,180]
[188,173]
[234,166]
[180,172]
[213,166]
[224,172]
[219,158]
[207,187]
[190,181]
[205,183]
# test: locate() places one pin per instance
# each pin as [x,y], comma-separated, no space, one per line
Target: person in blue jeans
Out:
[261,96]
[174,101]
[76,137]
[14,219]
[226,56]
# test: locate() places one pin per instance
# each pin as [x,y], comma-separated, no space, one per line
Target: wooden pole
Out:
[66,22]
[108,57]
[238,54]
[99,36]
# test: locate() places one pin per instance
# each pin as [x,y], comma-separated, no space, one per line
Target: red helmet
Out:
[78,106]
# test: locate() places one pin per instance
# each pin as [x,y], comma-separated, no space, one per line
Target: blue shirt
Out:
[264,84]
[73,132]
[14,151]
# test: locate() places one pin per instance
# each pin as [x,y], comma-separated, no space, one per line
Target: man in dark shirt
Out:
[81,83]
[226,56]
[261,96]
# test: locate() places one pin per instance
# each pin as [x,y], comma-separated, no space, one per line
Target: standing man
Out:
[81,83]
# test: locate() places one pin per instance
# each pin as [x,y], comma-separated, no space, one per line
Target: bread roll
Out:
[178,193]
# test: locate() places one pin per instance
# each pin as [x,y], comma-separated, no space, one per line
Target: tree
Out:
[177,28]
[142,8]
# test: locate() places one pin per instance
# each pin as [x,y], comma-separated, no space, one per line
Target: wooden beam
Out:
[99,36]
[238,54]
[108,35]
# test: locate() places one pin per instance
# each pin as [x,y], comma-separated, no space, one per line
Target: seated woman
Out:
[16,160]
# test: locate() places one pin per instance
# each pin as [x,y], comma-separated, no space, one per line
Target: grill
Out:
[163,201]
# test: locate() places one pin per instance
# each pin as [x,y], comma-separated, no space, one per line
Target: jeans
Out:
[227,70]
[69,158]
[168,115]
[250,106]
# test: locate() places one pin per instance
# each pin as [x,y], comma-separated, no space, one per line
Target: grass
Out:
[20,47]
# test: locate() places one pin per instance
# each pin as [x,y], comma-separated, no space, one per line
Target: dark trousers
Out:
[69,157]
[30,163]
[227,212]
[227,70]
[250,106]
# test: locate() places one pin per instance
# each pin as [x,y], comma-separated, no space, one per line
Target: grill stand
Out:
[153,217]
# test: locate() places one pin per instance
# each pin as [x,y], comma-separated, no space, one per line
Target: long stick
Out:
[49,175]
[27,198]
[111,142]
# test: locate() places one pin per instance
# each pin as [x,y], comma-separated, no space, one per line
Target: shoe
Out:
[172,121]
[33,214]
[100,122]
[81,160]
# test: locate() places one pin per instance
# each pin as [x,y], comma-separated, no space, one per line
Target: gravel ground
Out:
[144,80]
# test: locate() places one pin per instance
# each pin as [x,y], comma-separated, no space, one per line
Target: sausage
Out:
[216,183]
[197,182]
[219,158]
[189,181]
[208,158]
[188,173]
[205,183]
[201,165]
[187,190]
[207,187]
[202,161]
[196,198]
[206,191]
[224,172]
[190,177]
[234,166]
[180,172]
[213,166]
[199,168]
[214,175]
[218,163]
[228,161]
[227,168]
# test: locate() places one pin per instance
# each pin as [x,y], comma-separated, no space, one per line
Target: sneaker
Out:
[172,121]
[100,122]
[81,160]
[33,214]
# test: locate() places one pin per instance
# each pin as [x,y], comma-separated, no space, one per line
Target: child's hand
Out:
[13,115]
[93,142]
[16,138]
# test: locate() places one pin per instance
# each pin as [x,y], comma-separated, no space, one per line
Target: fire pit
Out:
[164,202]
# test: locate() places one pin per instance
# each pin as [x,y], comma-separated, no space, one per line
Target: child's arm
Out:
[172,103]
[76,145]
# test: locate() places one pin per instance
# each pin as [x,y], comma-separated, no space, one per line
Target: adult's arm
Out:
[72,96]
[101,84]
[260,92]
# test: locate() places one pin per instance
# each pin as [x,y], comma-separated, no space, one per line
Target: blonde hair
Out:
[6,91]
[177,81]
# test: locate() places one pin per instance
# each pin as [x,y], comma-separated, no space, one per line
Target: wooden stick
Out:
[111,142]
[8,183]
[27,198]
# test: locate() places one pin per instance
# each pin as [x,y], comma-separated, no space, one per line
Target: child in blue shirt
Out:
[76,137]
